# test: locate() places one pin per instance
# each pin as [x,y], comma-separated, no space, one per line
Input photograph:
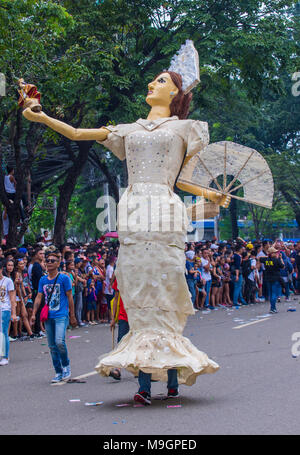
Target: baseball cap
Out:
[77,260]
[22,250]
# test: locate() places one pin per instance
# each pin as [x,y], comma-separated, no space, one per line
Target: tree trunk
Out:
[233,217]
[66,190]
[95,160]
[13,210]
[233,213]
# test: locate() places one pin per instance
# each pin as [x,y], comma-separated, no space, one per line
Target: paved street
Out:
[256,390]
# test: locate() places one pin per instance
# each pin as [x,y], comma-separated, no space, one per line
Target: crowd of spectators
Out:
[90,268]
[239,273]
[218,274]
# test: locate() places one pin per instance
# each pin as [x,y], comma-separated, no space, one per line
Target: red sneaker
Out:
[173,393]
[143,397]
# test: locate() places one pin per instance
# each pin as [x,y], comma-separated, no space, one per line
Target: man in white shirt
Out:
[10,183]
[109,292]
[46,239]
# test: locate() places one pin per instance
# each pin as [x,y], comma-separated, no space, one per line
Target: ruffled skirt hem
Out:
[156,352]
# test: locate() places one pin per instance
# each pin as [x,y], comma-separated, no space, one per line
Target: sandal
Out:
[116,374]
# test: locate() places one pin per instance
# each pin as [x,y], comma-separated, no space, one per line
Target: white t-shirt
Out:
[109,274]
[30,274]
[251,276]
[6,285]
[47,241]
[206,275]
[261,254]
[9,186]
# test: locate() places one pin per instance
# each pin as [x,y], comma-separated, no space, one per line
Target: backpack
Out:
[246,268]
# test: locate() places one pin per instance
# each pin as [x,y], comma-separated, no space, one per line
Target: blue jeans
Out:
[56,334]
[207,289]
[265,288]
[287,290]
[123,329]
[274,293]
[78,306]
[145,381]
[4,341]
[192,288]
[109,298]
[237,292]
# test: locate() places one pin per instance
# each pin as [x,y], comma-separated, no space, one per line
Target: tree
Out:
[98,71]
[35,25]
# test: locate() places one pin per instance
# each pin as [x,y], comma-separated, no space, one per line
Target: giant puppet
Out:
[152,220]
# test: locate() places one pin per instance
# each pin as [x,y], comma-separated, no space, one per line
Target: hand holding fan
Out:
[244,165]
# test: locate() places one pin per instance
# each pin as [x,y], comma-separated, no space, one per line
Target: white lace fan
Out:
[245,165]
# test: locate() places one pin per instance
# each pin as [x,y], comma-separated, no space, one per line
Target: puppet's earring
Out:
[172,93]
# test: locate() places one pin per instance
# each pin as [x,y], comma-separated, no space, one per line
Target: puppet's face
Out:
[161,91]
[21,83]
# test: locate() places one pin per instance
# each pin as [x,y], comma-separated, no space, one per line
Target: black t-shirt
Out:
[236,262]
[272,266]
[36,274]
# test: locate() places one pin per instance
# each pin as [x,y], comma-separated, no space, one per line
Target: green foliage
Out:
[92,62]
[81,222]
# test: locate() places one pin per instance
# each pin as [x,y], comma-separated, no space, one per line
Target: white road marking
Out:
[86,375]
[250,323]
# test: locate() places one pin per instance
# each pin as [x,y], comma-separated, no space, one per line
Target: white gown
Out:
[151,262]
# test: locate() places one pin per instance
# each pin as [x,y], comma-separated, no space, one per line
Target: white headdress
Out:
[186,63]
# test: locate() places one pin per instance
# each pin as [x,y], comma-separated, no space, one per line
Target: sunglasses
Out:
[52,261]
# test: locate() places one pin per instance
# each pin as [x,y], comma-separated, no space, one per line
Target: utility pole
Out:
[54,209]
[216,227]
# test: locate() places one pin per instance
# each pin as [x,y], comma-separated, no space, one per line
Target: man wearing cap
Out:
[273,264]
